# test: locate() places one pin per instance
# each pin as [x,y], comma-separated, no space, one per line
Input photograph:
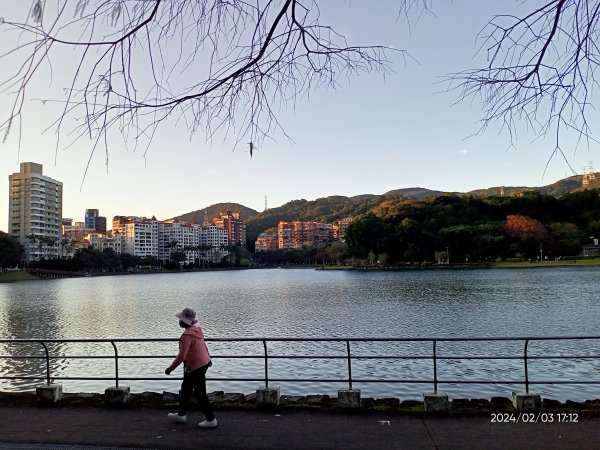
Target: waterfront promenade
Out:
[55,427]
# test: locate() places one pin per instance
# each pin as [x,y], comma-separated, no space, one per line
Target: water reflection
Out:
[307,303]
[34,311]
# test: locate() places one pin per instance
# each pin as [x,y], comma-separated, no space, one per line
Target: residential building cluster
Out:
[297,234]
[150,237]
[35,220]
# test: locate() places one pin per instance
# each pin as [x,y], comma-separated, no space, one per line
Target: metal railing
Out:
[347,358]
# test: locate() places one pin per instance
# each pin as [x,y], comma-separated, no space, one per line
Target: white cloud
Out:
[463,151]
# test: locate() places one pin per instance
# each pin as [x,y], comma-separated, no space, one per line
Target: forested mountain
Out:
[532,225]
[328,209]
[325,209]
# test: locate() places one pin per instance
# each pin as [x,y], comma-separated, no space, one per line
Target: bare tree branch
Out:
[541,72]
[229,66]
[216,65]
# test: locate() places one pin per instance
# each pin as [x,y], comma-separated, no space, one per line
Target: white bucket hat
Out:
[187,315]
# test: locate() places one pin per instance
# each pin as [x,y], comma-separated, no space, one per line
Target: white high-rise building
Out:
[140,237]
[178,236]
[150,237]
[35,212]
[213,240]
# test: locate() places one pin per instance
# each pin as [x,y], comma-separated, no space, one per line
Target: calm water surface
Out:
[309,303]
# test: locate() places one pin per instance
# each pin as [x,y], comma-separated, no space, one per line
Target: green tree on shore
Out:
[11,252]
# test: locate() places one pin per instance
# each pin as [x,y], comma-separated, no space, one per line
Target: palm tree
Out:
[187,249]
[203,250]
[173,245]
[32,238]
[48,241]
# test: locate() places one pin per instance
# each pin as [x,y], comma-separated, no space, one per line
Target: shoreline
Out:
[220,399]
[17,276]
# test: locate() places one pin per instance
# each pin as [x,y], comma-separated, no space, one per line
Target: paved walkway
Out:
[58,427]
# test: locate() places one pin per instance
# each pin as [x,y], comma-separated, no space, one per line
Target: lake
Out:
[313,303]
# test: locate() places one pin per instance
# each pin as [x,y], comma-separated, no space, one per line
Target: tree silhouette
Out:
[542,69]
[223,65]
[11,251]
[217,65]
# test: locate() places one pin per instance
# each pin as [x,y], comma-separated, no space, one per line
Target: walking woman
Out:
[193,353]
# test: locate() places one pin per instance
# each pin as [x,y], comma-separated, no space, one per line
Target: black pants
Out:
[195,382]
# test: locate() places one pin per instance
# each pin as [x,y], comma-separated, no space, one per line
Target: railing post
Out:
[526,369]
[115,395]
[526,401]
[266,396]
[435,401]
[435,383]
[47,363]
[349,365]
[116,364]
[266,364]
[51,393]
[349,398]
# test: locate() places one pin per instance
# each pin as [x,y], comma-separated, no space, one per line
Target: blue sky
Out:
[368,136]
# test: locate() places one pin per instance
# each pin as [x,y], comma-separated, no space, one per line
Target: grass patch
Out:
[9,277]
[564,263]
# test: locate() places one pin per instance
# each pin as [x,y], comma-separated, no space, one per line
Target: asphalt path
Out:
[57,427]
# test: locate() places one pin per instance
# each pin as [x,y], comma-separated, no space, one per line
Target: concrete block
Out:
[526,402]
[436,401]
[49,393]
[267,396]
[349,398]
[117,395]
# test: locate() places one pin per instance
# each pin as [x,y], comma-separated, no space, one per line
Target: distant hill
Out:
[363,197]
[561,187]
[214,210]
[329,209]
[326,209]
[417,193]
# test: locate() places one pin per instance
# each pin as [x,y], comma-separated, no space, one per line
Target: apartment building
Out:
[94,220]
[177,236]
[76,232]
[236,229]
[265,242]
[74,237]
[35,211]
[285,235]
[119,222]
[102,241]
[297,234]
[339,228]
[140,237]
[214,241]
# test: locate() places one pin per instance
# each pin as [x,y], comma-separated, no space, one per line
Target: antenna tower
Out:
[588,175]
[266,203]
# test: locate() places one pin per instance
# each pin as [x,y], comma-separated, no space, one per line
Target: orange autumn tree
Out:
[524,228]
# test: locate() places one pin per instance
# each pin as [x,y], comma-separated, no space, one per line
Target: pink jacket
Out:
[193,351]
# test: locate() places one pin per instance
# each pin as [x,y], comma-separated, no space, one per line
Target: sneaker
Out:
[176,417]
[208,424]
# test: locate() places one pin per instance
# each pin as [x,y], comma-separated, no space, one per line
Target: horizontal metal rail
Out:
[435,344]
